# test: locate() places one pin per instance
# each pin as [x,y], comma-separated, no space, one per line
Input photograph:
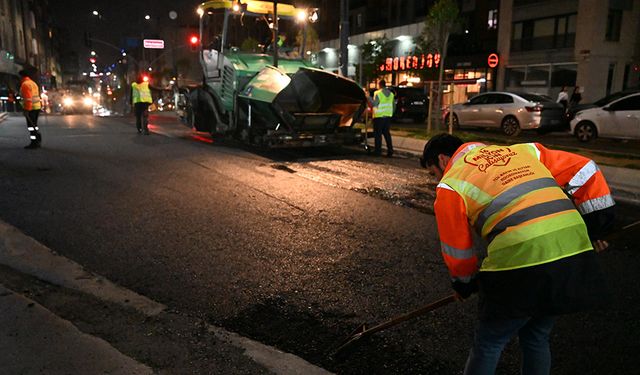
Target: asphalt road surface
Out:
[293,248]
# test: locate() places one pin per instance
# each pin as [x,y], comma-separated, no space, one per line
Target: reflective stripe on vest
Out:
[141,93]
[515,204]
[385,104]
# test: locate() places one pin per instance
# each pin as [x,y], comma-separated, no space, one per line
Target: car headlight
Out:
[67,102]
[87,101]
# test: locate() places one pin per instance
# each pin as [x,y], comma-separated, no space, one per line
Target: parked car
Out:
[411,103]
[618,119]
[511,112]
[571,112]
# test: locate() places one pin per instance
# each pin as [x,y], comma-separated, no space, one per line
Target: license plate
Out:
[554,122]
[417,103]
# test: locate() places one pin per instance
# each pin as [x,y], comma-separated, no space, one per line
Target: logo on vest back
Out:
[489,157]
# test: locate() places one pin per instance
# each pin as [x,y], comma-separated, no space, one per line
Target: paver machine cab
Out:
[246,95]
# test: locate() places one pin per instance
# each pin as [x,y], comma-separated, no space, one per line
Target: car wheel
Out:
[511,126]
[585,131]
[456,124]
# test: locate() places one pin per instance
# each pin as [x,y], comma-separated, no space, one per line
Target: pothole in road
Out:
[314,335]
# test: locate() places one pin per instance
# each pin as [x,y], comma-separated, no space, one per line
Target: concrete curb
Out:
[29,328]
[24,254]
[28,256]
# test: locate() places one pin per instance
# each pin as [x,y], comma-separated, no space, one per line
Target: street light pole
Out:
[344,37]
[275,33]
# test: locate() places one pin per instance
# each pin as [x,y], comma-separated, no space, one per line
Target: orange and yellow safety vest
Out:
[524,202]
[30,95]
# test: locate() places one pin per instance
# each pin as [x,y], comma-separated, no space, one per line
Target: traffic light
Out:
[194,41]
[145,78]
[92,60]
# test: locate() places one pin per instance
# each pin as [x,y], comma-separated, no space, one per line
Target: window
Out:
[492,19]
[614,24]
[480,99]
[544,33]
[502,99]
[515,76]
[612,68]
[538,75]
[564,75]
[627,104]
[625,80]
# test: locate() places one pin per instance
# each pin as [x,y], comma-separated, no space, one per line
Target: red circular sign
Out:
[493,60]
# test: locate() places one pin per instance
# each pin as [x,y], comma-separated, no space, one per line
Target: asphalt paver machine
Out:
[246,93]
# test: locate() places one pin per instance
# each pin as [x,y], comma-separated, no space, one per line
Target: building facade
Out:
[27,41]
[467,67]
[545,45]
[536,46]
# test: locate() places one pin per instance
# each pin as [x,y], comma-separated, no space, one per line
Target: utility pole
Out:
[276,37]
[344,37]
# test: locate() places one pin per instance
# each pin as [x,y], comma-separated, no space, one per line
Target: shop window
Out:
[614,24]
[515,76]
[538,75]
[564,75]
[492,19]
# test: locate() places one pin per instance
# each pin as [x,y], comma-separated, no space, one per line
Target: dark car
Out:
[411,103]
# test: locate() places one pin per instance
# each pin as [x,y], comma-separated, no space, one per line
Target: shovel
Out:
[620,231]
[363,331]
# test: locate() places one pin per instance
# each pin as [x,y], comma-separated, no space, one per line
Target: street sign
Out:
[493,60]
[153,43]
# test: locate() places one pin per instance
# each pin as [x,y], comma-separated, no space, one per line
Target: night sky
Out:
[120,19]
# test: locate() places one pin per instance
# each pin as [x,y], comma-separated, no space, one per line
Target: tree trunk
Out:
[443,55]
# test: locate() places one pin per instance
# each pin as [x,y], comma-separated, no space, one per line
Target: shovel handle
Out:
[412,314]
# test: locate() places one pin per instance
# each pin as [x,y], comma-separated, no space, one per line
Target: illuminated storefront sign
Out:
[419,62]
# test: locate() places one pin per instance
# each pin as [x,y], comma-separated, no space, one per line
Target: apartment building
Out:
[593,44]
[27,41]
[467,66]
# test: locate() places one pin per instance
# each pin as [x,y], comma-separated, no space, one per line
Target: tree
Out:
[311,43]
[443,20]
[249,45]
[374,53]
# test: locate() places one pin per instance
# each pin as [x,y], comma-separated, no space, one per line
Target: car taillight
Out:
[533,109]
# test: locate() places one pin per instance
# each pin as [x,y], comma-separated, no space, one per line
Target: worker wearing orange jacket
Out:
[31,106]
[519,224]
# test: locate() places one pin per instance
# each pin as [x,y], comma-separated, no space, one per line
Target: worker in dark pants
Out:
[141,98]
[31,105]
[383,108]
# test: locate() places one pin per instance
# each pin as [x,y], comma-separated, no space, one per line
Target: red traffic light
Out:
[145,78]
[92,60]
[193,39]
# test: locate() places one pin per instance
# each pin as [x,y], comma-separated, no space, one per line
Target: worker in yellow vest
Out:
[383,107]
[141,98]
[31,105]
[519,224]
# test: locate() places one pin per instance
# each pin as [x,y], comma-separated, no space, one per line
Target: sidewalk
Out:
[54,316]
[624,182]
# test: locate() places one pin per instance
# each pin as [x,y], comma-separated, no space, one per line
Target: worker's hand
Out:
[600,245]
[464,290]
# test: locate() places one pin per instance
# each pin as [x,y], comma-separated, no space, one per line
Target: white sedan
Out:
[618,119]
